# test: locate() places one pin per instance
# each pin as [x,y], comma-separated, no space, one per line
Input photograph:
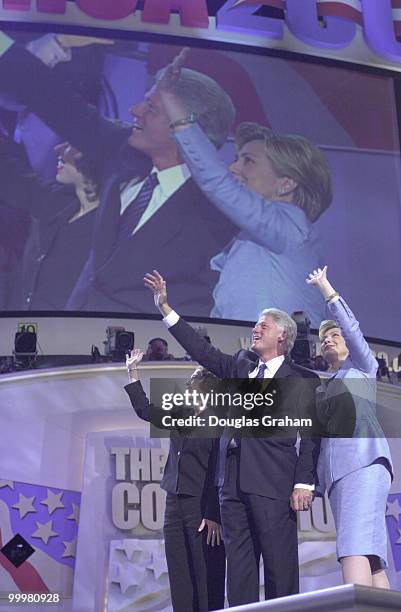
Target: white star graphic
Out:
[127,576]
[158,565]
[394,509]
[70,548]
[24,505]
[53,501]
[6,483]
[75,513]
[130,547]
[44,531]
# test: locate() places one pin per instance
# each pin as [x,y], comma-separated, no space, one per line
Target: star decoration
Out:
[394,509]
[6,483]
[70,548]
[53,501]
[75,513]
[130,547]
[127,575]
[44,531]
[158,565]
[24,505]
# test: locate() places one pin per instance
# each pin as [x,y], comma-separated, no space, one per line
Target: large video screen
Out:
[97,189]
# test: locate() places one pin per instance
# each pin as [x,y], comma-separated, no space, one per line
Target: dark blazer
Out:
[179,239]
[269,466]
[191,462]
[50,274]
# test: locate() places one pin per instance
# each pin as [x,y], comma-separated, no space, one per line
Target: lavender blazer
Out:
[357,375]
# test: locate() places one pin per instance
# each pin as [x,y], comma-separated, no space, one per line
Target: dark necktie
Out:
[134,211]
[261,371]
[237,435]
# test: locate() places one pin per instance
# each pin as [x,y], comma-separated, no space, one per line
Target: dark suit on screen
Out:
[256,479]
[196,570]
[179,239]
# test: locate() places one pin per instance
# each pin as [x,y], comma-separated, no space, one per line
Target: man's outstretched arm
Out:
[221,364]
[28,81]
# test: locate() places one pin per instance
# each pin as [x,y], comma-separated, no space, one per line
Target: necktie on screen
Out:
[261,371]
[134,211]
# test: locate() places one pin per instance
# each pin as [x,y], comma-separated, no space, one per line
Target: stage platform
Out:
[347,598]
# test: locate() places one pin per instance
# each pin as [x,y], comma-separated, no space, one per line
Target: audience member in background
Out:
[194,549]
[319,363]
[65,212]
[383,369]
[157,351]
[357,470]
[274,192]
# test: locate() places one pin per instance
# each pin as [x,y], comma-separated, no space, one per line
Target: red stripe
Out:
[397,28]
[26,577]
[396,4]
[336,9]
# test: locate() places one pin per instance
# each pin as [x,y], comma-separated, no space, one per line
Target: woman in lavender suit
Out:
[274,191]
[356,471]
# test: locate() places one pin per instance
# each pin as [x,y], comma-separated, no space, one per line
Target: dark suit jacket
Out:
[268,466]
[191,462]
[50,274]
[179,239]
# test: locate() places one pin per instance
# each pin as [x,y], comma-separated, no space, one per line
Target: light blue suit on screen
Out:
[265,265]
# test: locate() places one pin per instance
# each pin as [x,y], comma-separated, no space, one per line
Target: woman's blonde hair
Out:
[297,158]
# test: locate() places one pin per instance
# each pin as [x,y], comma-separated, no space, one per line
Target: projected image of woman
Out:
[274,192]
[65,212]
[357,470]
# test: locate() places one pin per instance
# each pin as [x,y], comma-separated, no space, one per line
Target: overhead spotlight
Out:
[119,343]
[25,350]
[302,350]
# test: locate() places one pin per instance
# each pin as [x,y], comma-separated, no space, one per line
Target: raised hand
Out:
[165,86]
[156,283]
[171,72]
[134,358]
[317,277]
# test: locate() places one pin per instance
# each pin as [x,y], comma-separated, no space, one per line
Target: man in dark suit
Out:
[151,212]
[263,481]
[194,551]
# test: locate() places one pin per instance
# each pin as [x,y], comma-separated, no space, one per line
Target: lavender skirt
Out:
[358,502]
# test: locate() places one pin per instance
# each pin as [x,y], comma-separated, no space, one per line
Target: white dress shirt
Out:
[272,367]
[170,180]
